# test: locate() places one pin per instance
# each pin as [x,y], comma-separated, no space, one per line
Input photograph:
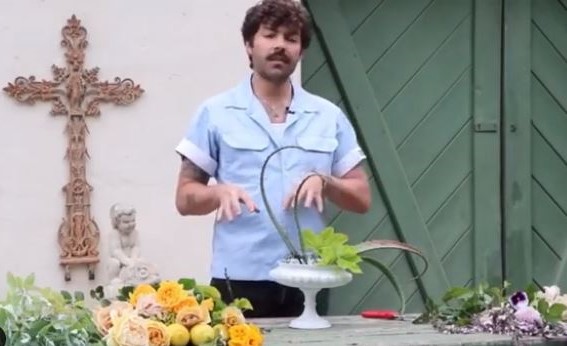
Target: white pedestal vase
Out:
[310,279]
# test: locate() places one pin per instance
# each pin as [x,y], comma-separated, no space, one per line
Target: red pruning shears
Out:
[380,314]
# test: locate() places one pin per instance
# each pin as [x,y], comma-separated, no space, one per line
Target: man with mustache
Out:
[230,137]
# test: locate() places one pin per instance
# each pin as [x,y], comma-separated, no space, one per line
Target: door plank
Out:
[370,123]
[517,143]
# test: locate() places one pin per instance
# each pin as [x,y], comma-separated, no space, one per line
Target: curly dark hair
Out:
[275,13]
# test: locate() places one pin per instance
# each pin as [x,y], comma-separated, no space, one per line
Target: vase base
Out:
[309,323]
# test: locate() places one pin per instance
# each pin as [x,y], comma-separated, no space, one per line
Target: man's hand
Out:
[196,197]
[311,193]
[229,198]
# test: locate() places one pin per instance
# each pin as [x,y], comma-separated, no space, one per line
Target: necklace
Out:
[275,112]
[272,110]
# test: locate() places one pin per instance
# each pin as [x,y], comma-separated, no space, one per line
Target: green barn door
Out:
[420,81]
[535,119]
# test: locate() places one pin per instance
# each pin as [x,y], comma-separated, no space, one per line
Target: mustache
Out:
[279,56]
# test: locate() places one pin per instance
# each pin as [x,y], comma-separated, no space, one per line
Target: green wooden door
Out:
[420,81]
[535,120]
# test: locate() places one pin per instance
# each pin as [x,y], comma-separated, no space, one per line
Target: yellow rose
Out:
[238,342]
[102,315]
[140,290]
[186,302]
[209,303]
[170,293]
[128,329]
[232,316]
[245,334]
[255,335]
[239,332]
[158,334]
[190,316]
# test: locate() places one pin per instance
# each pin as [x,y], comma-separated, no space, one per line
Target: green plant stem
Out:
[278,226]
[370,245]
[384,269]
[295,213]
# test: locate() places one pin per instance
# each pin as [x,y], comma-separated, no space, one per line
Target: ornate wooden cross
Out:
[76,93]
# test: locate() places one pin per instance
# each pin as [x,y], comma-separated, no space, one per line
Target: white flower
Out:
[550,293]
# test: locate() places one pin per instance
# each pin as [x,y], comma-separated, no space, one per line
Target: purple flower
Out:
[519,300]
[528,315]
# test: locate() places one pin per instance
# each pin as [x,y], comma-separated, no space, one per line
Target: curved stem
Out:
[295,214]
[278,226]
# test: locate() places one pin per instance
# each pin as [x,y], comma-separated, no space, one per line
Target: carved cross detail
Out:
[76,92]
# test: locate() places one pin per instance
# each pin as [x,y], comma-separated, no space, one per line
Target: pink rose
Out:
[148,306]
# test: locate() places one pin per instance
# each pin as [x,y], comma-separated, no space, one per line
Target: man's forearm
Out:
[349,193]
[194,195]
[194,198]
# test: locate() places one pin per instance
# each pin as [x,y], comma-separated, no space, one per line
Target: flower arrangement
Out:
[484,309]
[329,247]
[176,313]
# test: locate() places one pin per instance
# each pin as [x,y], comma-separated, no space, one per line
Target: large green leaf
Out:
[384,269]
[370,245]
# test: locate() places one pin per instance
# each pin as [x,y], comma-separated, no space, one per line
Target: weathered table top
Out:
[358,331]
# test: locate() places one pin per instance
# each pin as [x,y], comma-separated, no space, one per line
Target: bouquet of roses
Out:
[176,313]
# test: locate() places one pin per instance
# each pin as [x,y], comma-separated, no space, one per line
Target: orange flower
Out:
[158,334]
[238,342]
[245,334]
[186,302]
[256,337]
[170,293]
[238,332]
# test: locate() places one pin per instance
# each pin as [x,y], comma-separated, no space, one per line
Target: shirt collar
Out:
[299,102]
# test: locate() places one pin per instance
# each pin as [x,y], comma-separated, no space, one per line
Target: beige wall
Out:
[181,52]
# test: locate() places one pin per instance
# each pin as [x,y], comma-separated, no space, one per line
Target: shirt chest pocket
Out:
[317,153]
[241,151]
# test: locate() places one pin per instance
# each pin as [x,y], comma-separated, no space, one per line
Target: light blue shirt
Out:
[230,137]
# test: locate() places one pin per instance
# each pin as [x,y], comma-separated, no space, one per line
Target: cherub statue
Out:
[125,266]
[124,243]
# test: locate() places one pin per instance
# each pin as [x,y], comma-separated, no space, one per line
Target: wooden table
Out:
[358,331]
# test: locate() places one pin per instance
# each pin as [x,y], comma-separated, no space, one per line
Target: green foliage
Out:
[242,304]
[332,249]
[98,295]
[188,284]
[551,313]
[124,293]
[41,316]
[460,304]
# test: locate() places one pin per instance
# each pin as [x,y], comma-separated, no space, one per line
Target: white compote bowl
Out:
[310,279]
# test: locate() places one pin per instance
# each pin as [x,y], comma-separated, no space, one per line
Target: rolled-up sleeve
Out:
[348,153]
[199,144]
